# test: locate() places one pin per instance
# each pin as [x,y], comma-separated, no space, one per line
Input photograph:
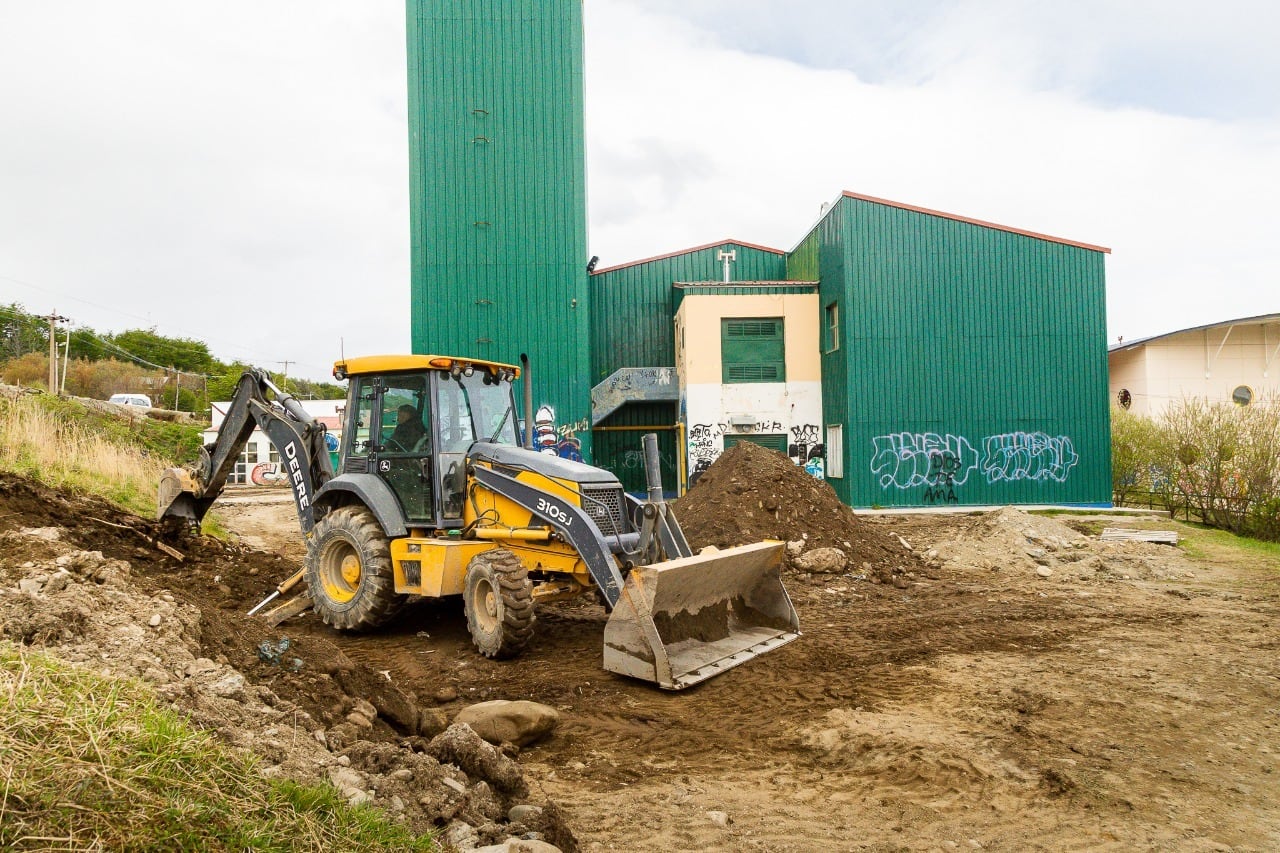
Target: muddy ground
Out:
[972,681]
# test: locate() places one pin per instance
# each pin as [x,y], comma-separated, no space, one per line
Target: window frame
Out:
[740,354]
[834,447]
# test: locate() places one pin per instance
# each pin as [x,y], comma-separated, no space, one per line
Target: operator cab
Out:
[411,420]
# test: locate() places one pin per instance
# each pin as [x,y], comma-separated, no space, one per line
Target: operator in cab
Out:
[409,430]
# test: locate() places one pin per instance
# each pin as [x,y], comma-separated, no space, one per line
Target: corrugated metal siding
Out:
[497,201]
[622,453]
[969,357]
[633,307]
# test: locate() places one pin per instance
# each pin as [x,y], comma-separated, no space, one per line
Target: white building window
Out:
[835,450]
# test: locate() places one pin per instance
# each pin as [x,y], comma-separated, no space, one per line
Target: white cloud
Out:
[238,173]
[234,173]
[1183,202]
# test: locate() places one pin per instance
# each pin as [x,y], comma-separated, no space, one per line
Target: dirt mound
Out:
[1009,540]
[751,493]
[93,585]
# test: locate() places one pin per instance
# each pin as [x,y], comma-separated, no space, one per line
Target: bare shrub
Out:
[1138,456]
[1225,463]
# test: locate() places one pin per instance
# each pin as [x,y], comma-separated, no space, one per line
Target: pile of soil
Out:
[92,585]
[752,493]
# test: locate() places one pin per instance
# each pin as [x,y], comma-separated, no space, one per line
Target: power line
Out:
[115,310]
[104,343]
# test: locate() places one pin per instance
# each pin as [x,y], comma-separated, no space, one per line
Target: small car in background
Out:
[140,400]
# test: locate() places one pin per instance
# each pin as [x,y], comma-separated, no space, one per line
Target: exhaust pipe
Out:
[528,400]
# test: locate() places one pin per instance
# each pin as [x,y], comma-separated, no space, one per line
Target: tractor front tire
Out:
[349,571]
[498,599]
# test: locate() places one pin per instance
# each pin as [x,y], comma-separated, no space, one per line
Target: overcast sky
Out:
[237,172]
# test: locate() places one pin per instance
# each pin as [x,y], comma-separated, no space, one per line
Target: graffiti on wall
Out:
[557,439]
[942,462]
[704,447]
[805,448]
[633,460]
[1028,456]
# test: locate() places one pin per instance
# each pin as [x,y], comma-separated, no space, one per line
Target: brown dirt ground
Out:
[1127,700]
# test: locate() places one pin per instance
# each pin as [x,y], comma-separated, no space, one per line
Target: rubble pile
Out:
[752,493]
[98,594]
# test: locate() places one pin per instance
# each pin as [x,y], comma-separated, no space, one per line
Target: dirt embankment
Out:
[986,681]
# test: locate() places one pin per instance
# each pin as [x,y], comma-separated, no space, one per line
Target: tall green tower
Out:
[498,195]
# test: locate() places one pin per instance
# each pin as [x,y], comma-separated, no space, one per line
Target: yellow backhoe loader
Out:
[435,496]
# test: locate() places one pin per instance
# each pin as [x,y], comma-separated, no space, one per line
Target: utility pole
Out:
[66,361]
[53,319]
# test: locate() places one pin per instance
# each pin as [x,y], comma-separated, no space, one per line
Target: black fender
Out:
[370,490]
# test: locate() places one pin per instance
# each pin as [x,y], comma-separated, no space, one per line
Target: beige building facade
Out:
[772,401]
[1232,361]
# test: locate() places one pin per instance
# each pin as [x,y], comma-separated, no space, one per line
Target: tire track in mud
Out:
[855,656]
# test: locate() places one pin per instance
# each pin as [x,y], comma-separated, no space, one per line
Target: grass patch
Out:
[1209,543]
[88,762]
[65,445]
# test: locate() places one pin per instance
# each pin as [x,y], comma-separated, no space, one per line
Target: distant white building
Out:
[259,462]
[1234,361]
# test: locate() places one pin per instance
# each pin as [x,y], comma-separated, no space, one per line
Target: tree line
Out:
[176,373]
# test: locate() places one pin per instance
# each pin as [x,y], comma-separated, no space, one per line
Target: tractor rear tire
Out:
[498,600]
[349,571]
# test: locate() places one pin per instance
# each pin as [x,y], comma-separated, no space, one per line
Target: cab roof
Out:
[368,364]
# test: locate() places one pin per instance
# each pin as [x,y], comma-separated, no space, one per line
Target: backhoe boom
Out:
[187,493]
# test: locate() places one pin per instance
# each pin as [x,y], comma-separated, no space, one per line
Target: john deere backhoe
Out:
[450,504]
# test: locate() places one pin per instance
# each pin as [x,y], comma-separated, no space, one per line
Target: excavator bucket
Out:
[683,621]
[178,488]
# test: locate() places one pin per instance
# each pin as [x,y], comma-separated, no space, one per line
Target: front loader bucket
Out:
[684,621]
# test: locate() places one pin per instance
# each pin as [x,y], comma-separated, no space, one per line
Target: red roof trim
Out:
[983,223]
[690,251]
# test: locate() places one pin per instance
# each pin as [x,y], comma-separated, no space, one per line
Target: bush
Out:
[1220,460]
[1138,456]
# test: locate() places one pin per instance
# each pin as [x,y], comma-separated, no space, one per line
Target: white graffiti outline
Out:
[906,459]
[1028,456]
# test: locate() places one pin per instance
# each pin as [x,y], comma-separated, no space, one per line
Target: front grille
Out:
[604,506]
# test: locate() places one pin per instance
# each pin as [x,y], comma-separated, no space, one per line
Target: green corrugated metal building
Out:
[498,192]
[962,362]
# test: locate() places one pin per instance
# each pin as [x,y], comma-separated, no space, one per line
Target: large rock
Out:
[460,746]
[502,721]
[828,561]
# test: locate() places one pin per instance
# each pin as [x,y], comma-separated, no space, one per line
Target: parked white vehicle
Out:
[140,400]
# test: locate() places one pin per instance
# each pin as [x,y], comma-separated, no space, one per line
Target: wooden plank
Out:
[1122,534]
[292,607]
[172,552]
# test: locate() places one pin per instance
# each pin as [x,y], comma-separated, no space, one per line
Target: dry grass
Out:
[46,445]
[90,763]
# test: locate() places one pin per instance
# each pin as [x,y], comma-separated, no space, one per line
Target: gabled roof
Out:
[1261,319]
[965,219]
[689,252]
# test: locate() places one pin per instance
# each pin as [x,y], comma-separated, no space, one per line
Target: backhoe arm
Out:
[187,493]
